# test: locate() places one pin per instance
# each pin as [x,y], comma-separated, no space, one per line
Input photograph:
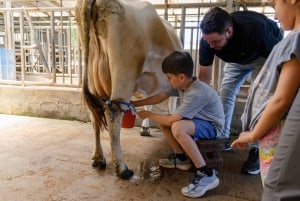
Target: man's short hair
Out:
[178,63]
[216,20]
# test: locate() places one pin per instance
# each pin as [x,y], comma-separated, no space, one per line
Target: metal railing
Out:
[44,46]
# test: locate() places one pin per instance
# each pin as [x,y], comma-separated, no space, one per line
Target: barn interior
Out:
[46,135]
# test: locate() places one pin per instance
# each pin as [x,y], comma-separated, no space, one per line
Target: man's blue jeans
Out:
[234,76]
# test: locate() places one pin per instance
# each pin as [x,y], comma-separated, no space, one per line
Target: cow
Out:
[123,43]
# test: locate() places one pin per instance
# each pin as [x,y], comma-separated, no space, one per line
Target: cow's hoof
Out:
[101,164]
[127,174]
[145,131]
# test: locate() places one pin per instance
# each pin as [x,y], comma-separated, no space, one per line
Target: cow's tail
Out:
[95,103]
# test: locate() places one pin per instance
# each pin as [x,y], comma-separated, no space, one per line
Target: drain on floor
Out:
[150,170]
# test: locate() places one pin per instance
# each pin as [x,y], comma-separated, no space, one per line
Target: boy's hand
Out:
[243,139]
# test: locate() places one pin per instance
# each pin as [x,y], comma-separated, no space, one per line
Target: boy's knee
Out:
[175,127]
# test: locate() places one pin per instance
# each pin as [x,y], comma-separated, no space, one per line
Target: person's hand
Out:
[243,139]
[143,114]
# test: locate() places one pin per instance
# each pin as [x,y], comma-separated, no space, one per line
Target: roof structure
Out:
[71,3]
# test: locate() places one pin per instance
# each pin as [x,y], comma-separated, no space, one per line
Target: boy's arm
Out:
[163,119]
[152,100]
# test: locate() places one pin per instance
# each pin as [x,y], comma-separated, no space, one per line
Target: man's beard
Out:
[218,49]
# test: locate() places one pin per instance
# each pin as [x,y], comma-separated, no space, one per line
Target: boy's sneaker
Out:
[200,184]
[251,166]
[174,162]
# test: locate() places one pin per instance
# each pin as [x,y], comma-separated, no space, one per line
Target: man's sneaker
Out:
[227,146]
[200,183]
[251,166]
[174,162]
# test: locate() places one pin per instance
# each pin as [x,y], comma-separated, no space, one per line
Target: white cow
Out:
[124,43]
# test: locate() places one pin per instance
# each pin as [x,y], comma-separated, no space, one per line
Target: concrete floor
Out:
[50,160]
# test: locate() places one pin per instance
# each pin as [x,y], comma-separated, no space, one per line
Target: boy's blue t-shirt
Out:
[200,101]
[266,82]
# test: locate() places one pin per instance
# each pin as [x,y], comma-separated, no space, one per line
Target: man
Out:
[243,40]
[197,117]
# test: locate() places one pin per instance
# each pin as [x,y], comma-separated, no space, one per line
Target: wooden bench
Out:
[211,151]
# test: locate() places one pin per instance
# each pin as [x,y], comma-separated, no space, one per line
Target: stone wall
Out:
[67,103]
[49,102]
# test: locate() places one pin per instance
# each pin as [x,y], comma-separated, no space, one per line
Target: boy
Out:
[199,116]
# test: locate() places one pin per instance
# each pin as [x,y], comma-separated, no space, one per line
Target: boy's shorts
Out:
[204,130]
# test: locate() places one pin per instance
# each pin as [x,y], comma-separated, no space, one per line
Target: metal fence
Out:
[43,46]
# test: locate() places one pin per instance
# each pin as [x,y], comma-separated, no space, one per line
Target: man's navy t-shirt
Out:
[254,36]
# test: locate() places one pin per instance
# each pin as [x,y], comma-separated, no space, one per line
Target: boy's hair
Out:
[178,63]
[216,20]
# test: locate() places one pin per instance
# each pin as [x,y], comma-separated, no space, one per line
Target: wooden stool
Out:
[211,151]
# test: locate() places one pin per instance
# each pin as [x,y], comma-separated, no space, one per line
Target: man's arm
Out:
[152,100]
[205,74]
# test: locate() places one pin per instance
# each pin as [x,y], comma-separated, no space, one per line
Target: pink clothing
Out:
[267,147]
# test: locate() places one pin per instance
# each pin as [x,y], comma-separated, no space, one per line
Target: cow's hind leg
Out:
[114,127]
[98,157]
